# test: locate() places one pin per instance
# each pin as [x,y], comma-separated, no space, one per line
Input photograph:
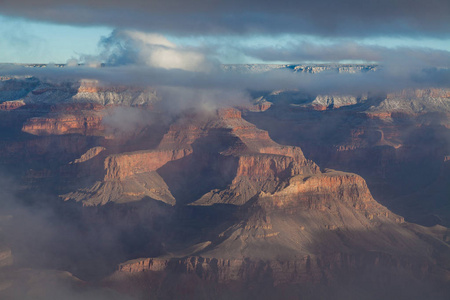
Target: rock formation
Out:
[295,225]
[200,203]
[262,164]
[381,138]
[312,231]
[81,122]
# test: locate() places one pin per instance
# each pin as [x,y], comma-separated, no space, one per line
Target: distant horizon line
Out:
[225,64]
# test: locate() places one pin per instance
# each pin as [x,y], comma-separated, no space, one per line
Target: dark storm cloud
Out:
[324,17]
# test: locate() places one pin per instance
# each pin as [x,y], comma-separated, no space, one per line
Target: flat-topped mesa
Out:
[68,118]
[143,264]
[95,92]
[121,166]
[290,151]
[324,102]
[258,172]
[321,192]
[41,92]
[130,177]
[412,102]
[82,122]
[11,105]
[263,167]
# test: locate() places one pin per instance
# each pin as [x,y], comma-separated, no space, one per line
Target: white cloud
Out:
[147,38]
[126,47]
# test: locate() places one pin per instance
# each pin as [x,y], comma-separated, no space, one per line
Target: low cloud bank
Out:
[385,79]
[411,57]
[194,78]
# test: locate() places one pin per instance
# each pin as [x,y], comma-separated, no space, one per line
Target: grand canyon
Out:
[116,191]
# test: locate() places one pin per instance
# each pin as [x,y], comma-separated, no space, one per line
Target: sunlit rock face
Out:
[81,119]
[147,202]
[397,142]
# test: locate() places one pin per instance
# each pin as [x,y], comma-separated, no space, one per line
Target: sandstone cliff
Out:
[381,138]
[295,224]
[84,122]
[218,208]
[11,105]
[261,162]
[314,230]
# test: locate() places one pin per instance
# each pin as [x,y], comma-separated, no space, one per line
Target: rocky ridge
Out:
[32,91]
[214,203]
[296,224]
[379,136]
[259,160]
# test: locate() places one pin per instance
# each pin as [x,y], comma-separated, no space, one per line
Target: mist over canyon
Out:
[239,182]
[224,149]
